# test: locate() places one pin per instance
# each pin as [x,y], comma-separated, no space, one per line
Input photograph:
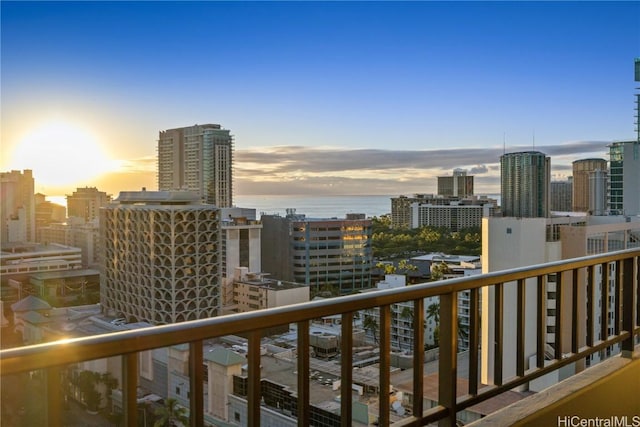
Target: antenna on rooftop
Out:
[534,140]
[504,143]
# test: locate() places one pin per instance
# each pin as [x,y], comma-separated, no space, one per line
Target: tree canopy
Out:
[391,243]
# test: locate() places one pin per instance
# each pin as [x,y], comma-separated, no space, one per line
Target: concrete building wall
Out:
[17,207]
[197,158]
[581,186]
[162,257]
[510,243]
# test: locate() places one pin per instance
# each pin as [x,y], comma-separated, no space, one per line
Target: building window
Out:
[236,416]
[508,230]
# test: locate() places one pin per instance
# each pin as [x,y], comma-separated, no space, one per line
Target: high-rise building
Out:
[458,185]
[17,207]
[86,202]
[636,76]
[405,215]
[624,178]
[241,235]
[161,260]
[321,253]
[598,192]
[581,190]
[517,242]
[454,216]
[197,158]
[561,195]
[525,178]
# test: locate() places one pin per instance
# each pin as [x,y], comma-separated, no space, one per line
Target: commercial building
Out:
[458,185]
[17,207]
[162,257]
[582,169]
[322,253]
[256,291]
[524,179]
[456,215]
[401,207]
[77,233]
[197,158]
[19,261]
[241,236]
[561,196]
[624,178]
[405,214]
[47,213]
[86,202]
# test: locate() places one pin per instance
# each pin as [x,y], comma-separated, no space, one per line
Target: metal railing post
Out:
[629,296]
[385,365]
[130,389]
[346,370]
[447,366]
[303,373]
[54,397]
[196,384]
[418,356]
[254,392]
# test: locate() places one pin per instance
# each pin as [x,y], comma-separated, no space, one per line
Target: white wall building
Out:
[517,242]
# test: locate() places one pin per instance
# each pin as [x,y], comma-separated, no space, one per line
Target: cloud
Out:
[478,170]
[314,160]
[330,170]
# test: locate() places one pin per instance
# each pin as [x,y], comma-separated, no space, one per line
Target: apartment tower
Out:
[525,178]
[458,185]
[581,188]
[624,178]
[86,202]
[561,195]
[197,158]
[162,257]
[17,207]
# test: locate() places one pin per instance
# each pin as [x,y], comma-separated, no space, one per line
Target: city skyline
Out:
[321,97]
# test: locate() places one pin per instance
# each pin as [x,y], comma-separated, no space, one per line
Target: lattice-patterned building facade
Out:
[161,260]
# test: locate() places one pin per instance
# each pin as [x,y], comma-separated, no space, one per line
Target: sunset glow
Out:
[61,153]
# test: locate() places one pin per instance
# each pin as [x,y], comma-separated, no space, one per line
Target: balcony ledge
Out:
[606,391]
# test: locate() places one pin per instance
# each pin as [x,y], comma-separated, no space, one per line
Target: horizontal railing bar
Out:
[430,415]
[75,350]
[492,391]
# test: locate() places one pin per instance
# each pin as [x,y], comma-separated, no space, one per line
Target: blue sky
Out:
[322,97]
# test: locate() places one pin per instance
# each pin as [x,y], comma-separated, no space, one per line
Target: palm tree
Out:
[433,312]
[369,324]
[171,414]
[407,313]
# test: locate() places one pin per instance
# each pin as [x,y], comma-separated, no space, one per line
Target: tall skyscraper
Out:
[525,178]
[598,192]
[624,178]
[561,196]
[636,76]
[318,252]
[17,207]
[162,257]
[581,190]
[197,158]
[458,185]
[86,202]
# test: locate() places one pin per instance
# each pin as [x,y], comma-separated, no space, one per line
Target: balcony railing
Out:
[574,277]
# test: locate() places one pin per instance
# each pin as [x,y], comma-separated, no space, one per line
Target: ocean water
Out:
[316,206]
